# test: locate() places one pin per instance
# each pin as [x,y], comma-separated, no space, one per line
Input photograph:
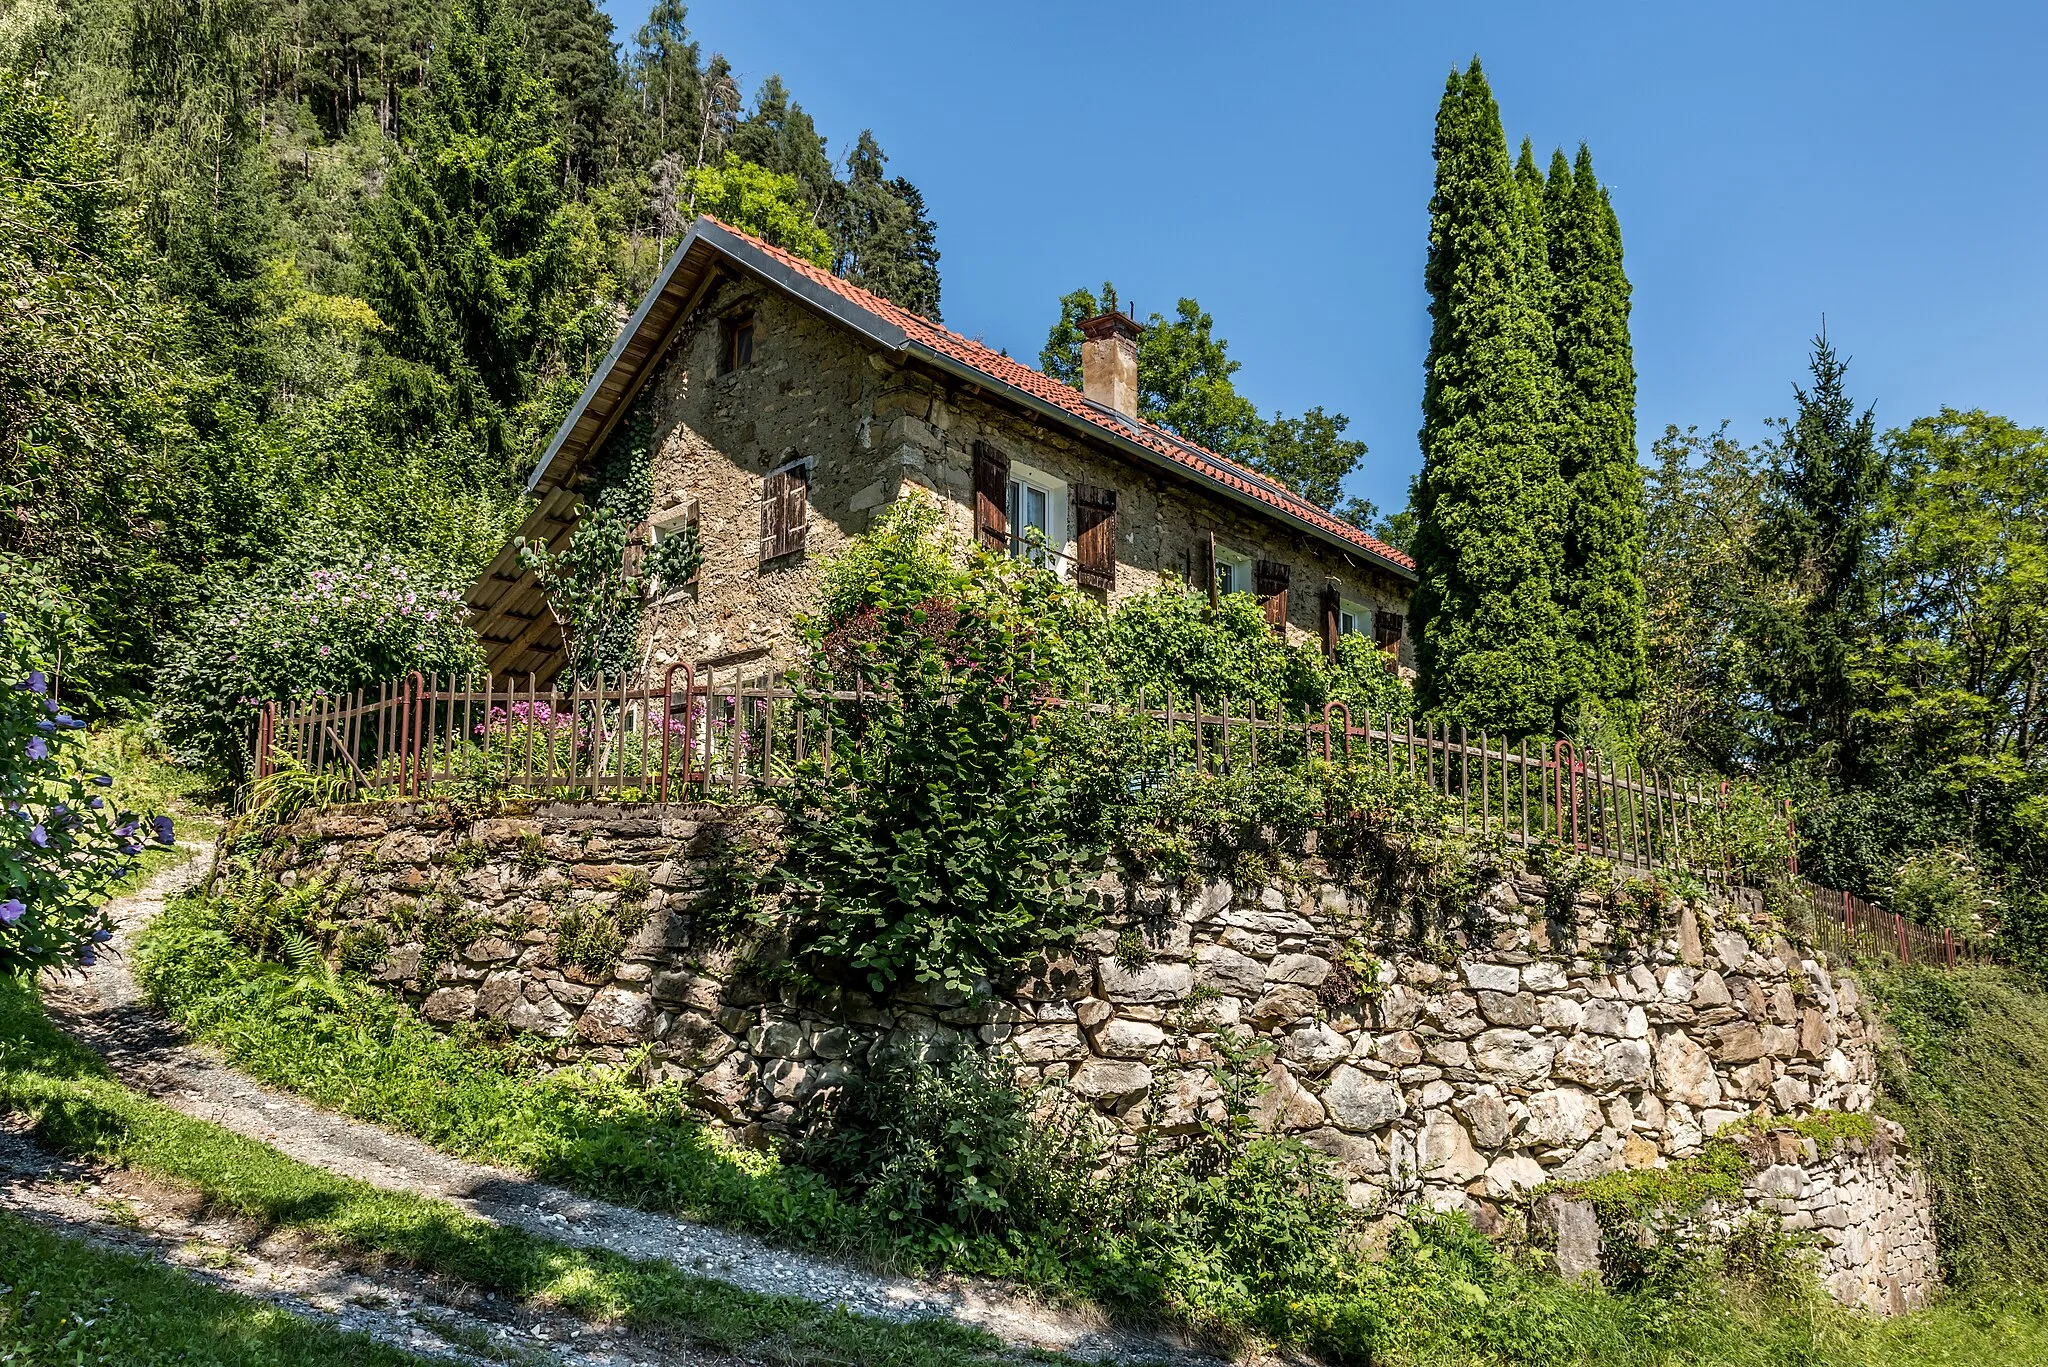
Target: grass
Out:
[65,1301]
[77,1107]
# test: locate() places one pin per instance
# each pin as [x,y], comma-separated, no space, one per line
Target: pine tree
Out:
[1490,500]
[1602,587]
[571,43]
[884,241]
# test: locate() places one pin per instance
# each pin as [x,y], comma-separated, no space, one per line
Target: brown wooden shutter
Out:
[991,497]
[1332,624]
[1272,577]
[1095,537]
[1209,566]
[785,512]
[1386,630]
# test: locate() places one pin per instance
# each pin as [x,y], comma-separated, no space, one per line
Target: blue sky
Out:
[1883,164]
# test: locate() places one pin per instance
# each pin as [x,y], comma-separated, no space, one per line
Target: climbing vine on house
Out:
[595,585]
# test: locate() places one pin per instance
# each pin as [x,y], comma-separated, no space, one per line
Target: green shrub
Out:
[329,616]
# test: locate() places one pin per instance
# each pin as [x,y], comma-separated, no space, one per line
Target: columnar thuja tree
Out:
[1490,500]
[1601,591]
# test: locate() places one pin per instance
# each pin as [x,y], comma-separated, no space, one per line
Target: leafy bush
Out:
[63,847]
[936,848]
[328,617]
[942,1150]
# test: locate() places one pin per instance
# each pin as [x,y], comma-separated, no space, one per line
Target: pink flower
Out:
[323,650]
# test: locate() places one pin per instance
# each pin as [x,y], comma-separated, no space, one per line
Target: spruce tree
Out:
[1490,499]
[884,240]
[1818,554]
[1601,590]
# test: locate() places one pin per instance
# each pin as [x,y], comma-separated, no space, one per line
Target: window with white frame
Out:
[1036,502]
[1353,619]
[1234,572]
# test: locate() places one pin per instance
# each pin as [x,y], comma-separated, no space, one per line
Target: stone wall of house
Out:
[1526,1044]
[874,429]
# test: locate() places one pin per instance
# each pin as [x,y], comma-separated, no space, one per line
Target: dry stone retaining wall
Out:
[1522,1047]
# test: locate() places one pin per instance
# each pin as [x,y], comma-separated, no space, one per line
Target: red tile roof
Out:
[1005,371]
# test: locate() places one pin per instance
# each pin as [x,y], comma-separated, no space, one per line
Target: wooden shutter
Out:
[785,512]
[1332,624]
[1386,630]
[1095,537]
[991,497]
[1208,549]
[1271,578]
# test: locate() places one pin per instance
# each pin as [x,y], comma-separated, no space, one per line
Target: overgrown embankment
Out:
[1968,1077]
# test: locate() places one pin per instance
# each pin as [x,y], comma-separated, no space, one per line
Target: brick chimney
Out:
[1109,361]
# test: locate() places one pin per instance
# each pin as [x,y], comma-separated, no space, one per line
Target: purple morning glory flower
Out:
[162,827]
[126,830]
[87,957]
[96,803]
[100,937]
[11,911]
[131,848]
[38,748]
[37,681]
[70,723]
[103,780]
[46,727]
[38,836]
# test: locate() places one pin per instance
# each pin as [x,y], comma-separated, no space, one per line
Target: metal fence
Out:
[719,733]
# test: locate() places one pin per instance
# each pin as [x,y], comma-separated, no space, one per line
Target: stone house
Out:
[788,406]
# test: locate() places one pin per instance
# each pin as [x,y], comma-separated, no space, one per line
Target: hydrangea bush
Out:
[63,845]
[324,620]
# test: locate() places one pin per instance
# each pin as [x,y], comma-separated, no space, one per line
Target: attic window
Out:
[735,343]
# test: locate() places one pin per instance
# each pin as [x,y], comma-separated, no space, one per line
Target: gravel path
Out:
[115,1209]
[104,1008]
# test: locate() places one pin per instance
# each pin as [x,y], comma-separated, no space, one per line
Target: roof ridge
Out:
[1008,370]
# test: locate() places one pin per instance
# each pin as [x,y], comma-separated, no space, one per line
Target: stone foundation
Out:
[1519,1047]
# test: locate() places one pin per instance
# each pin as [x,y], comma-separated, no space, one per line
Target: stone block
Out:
[1710,990]
[1122,1038]
[1513,1174]
[1492,977]
[1569,1231]
[1285,1104]
[1562,1117]
[1513,1056]
[1283,1006]
[1490,1119]
[1445,1151]
[1545,975]
[1360,1103]
[1306,969]
[1111,1081]
[1313,1048]
[1156,982]
[1228,971]
[616,1016]
[1685,1071]
[1520,1009]
[449,1004]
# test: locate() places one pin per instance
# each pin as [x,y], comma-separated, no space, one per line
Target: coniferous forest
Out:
[308,278]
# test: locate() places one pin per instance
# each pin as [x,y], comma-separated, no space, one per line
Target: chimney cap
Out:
[1115,323]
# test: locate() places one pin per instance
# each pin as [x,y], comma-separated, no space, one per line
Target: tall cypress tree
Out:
[1602,586]
[1490,498]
